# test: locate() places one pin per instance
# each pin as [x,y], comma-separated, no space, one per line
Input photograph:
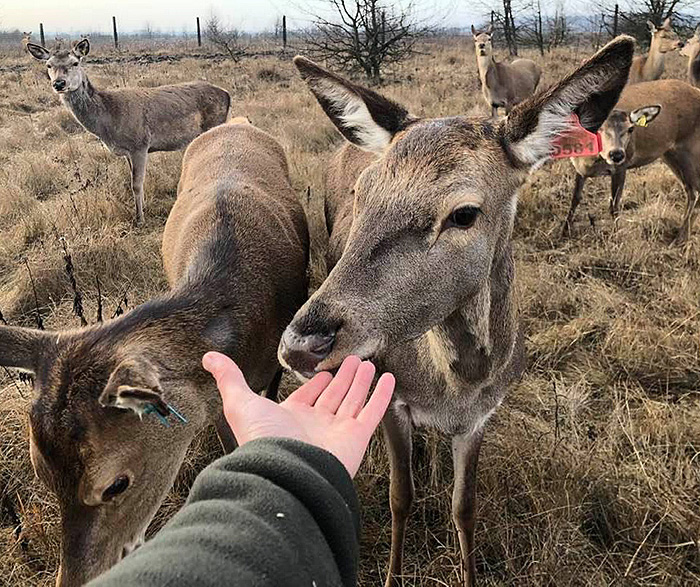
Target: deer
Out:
[26,39]
[630,140]
[503,84]
[650,67]
[133,122]
[691,50]
[424,281]
[235,252]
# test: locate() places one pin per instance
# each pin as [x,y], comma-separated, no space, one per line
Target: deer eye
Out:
[464,217]
[630,129]
[120,485]
[48,65]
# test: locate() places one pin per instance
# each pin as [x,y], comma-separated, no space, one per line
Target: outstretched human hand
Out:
[327,411]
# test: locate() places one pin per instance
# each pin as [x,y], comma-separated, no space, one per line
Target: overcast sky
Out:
[83,16]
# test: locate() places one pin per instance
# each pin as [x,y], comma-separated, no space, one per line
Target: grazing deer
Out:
[629,140]
[691,50]
[503,84]
[26,39]
[650,67]
[133,122]
[235,252]
[424,285]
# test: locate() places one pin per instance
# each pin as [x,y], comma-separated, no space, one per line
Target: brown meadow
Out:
[590,471]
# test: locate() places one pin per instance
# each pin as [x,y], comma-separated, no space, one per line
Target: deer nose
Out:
[59,84]
[303,352]
[617,156]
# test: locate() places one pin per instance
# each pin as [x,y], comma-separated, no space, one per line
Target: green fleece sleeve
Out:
[276,512]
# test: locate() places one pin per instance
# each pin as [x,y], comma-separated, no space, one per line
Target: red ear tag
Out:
[576,142]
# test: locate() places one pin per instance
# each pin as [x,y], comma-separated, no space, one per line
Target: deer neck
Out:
[694,67]
[474,343]
[86,105]
[485,63]
[654,65]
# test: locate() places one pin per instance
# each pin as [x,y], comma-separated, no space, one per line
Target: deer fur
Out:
[691,50]
[672,112]
[424,282]
[235,252]
[133,122]
[503,84]
[651,66]
[26,39]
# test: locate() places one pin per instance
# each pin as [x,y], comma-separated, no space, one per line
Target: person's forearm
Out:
[276,512]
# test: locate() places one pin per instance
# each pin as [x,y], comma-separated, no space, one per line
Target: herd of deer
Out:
[420,213]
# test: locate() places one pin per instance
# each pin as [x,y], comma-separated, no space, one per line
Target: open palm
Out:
[329,412]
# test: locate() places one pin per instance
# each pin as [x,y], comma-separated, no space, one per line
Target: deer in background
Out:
[424,282]
[26,39]
[653,120]
[133,122]
[650,67]
[691,50]
[235,251]
[503,84]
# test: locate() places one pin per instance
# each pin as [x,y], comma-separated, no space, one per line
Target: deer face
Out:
[617,131]
[665,38]
[692,45]
[435,213]
[482,42]
[92,442]
[64,67]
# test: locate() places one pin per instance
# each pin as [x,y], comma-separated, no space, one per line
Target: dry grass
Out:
[590,473]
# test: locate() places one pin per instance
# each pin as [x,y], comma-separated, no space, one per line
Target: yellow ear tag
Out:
[642,121]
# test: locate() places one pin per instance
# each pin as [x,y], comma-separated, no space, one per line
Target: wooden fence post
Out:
[41,34]
[284,31]
[199,34]
[617,12]
[114,28]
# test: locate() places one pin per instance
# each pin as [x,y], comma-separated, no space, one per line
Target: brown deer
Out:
[133,122]
[503,84]
[691,50]
[26,39]
[650,67]
[628,142]
[235,252]
[424,284]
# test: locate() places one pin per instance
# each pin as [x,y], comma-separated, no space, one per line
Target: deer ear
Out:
[365,118]
[643,116]
[22,348]
[134,385]
[474,32]
[38,52]
[489,30]
[667,24]
[652,26]
[590,92]
[697,31]
[81,48]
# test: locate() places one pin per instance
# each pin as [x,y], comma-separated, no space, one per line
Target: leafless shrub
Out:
[224,38]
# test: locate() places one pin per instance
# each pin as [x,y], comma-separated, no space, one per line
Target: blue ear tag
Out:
[151,409]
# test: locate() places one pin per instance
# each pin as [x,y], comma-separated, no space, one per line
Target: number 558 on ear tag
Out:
[576,142]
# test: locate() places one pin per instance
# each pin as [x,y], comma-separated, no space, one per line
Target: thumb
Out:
[229,379]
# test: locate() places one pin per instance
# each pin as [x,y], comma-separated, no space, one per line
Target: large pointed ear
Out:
[652,27]
[667,24]
[81,48]
[474,32]
[644,115]
[489,30]
[38,52]
[590,92]
[697,31]
[134,385]
[364,118]
[22,348]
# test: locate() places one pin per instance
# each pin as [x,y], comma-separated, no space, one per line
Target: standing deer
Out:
[503,84]
[26,39]
[235,252]
[424,283]
[133,122]
[650,67]
[691,50]
[630,140]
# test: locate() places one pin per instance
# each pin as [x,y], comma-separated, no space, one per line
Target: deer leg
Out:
[137,162]
[617,186]
[689,218]
[396,426]
[465,456]
[226,437]
[494,111]
[687,171]
[575,201]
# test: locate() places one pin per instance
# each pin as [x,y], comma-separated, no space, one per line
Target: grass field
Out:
[590,471]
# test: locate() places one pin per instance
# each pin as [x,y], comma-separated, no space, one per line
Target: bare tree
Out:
[544,31]
[364,35]
[224,38]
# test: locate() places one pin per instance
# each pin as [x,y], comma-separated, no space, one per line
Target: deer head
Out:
[93,439]
[482,41]
[617,131]
[433,217]
[692,45]
[64,67]
[664,39]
